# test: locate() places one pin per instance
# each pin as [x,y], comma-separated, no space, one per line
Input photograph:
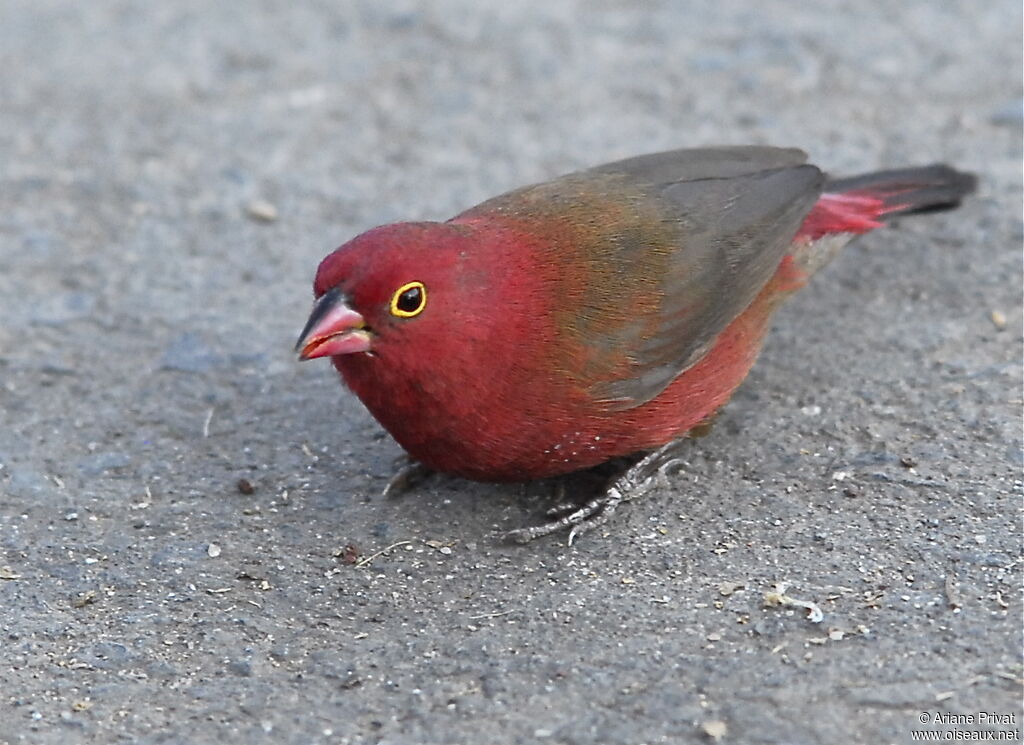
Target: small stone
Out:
[725,589]
[716,729]
[714,637]
[998,319]
[261,210]
[245,486]
[213,550]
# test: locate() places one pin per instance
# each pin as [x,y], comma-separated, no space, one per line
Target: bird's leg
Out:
[407,477]
[638,479]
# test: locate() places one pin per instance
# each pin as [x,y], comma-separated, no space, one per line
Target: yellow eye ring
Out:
[409,300]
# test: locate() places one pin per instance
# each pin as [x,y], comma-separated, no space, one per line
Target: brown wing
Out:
[660,253]
[734,212]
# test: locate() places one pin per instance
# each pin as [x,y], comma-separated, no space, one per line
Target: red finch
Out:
[603,313]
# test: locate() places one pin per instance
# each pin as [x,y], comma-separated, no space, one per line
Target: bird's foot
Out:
[407,477]
[640,478]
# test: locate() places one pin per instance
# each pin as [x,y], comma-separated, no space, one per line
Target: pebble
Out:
[716,729]
[261,210]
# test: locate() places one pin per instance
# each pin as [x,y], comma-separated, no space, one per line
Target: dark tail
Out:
[908,190]
[850,206]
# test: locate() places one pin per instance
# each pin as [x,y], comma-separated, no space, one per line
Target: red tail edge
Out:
[858,204]
[842,213]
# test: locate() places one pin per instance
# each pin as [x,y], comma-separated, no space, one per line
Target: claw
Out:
[574,518]
[646,474]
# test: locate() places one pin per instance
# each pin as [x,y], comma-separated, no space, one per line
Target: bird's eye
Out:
[409,300]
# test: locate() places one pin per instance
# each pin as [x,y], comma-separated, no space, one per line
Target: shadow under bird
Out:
[604,313]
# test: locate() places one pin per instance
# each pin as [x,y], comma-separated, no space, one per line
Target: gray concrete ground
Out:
[872,460]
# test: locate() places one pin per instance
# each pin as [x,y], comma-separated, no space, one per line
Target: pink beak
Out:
[333,328]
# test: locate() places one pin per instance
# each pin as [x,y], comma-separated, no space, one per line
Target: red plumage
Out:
[842,214]
[603,313]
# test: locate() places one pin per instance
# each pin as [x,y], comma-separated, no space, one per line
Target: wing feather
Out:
[733,213]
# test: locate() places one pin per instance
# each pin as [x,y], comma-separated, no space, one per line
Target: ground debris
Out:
[836,634]
[349,554]
[778,597]
[716,729]
[725,589]
[367,559]
[261,582]
[84,598]
[873,598]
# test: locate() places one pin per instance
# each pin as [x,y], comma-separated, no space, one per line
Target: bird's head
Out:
[401,290]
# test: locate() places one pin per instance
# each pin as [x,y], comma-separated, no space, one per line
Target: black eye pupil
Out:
[409,301]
